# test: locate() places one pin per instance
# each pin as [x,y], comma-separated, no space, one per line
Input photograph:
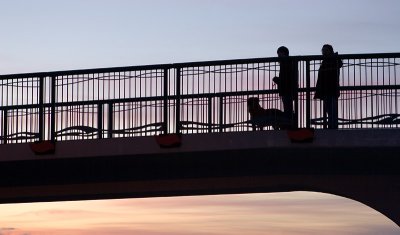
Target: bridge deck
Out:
[201,156]
[329,141]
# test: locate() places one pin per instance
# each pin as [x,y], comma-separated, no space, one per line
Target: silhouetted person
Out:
[327,88]
[287,82]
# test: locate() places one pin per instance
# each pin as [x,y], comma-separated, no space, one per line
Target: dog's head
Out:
[253,105]
[253,102]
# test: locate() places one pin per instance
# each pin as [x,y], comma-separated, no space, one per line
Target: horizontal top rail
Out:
[195,64]
[277,59]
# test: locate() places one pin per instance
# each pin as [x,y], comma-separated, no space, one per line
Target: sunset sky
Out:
[296,213]
[48,35]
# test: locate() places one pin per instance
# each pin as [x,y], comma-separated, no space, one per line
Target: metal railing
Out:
[197,97]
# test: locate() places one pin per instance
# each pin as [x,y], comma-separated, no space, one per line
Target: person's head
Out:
[327,50]
[282,51]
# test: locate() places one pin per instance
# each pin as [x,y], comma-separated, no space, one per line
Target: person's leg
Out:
[325,107]
[288,109]
[331,108]
[335,113]
[287,105]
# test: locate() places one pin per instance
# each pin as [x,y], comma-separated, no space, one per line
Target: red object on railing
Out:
[301,135]
[169,140]
[43,147]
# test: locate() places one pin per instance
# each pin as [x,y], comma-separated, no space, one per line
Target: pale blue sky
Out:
[48,35]
[44,35]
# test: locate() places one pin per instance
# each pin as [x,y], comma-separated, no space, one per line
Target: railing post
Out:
[110,120]
[5,125]
[308,95]
[53,109]
[178,100]
[209,114]
[100,121]
[165,101]
[41,108]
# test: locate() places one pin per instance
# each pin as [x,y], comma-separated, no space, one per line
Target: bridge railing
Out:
[197,97]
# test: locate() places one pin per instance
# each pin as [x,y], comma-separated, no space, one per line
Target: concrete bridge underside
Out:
[362,165]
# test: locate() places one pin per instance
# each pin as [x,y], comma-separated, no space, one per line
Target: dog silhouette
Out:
[260,117]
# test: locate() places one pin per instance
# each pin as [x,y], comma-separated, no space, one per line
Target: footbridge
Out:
[101,129]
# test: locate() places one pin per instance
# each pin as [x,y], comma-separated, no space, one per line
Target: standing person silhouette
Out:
[327,88]
[287,82]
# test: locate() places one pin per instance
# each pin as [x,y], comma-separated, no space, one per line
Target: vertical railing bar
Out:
[395,82]
[61,107]
[212,89]
[200,107]
[350,94]
[375,108]
[188,73]
[371,71]
[178,100]
[209,114]
[354,94]
[53,109]
[390,108]
[308,95]
[154,114]
[100,120]
[185,89]
[41,108]
[16,111]
[110,120]
[221,113]
[146,77]
[130,95]
[165,107]
[361,93]
[5,125]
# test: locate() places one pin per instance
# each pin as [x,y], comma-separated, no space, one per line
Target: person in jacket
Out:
[287,81]
[327,88]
